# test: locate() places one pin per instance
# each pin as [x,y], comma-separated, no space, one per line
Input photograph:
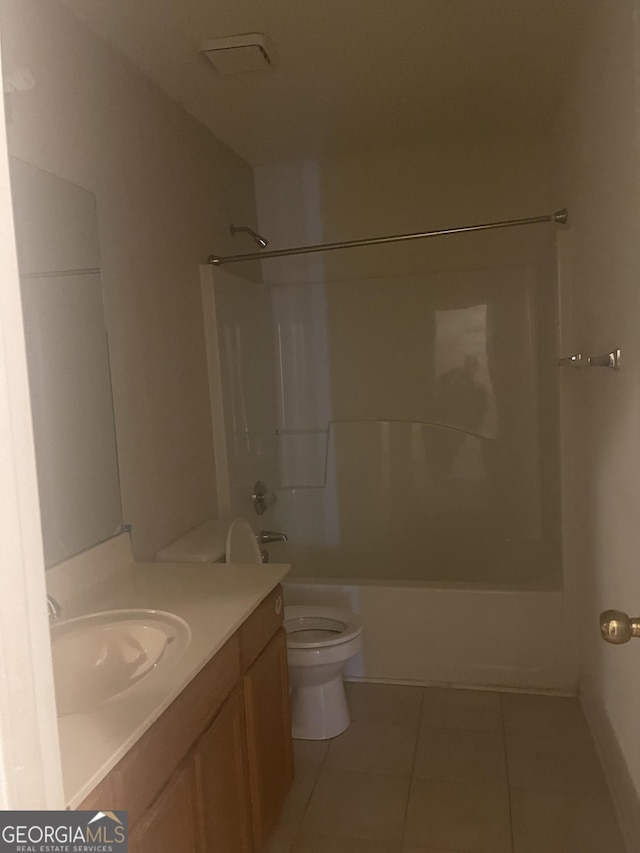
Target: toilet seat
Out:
[310,627]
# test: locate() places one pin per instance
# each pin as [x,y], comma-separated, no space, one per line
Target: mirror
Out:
[68,362]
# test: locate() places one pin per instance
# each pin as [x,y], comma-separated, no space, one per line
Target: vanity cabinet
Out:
[211,774]
[170,824]
[222,780]
[266,696]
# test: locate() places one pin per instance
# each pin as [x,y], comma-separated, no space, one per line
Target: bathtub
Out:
[454,635]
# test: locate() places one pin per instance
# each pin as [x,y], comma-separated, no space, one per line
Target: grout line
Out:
[296,834]
[413,767]
[315,781]
[506,762]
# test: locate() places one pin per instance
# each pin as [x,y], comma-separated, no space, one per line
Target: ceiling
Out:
[352,74]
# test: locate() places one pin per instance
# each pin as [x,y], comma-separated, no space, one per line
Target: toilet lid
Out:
[242,546]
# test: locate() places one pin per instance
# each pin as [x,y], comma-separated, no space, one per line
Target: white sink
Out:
[98,657]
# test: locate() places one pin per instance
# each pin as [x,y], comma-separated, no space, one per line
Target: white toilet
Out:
[320,640]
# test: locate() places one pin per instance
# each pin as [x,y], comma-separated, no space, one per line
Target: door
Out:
[30,771]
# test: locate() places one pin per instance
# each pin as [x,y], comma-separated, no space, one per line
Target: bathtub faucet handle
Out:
[262,498]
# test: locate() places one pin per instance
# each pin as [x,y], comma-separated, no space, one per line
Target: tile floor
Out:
[450,771]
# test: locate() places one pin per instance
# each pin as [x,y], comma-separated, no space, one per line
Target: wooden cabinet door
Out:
[269,746]
[223,789]
[170,824]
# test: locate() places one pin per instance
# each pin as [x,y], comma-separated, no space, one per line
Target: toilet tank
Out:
[205,543]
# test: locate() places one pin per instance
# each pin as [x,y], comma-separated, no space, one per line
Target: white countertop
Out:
[213,598]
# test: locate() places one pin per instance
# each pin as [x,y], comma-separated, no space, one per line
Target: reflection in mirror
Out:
[68,362]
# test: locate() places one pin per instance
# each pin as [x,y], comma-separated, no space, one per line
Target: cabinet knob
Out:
[279,605]
[617,628]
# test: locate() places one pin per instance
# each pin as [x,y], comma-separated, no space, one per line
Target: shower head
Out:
[257,237]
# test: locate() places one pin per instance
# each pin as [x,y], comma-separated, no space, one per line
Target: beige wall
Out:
[599,176]
[166,192]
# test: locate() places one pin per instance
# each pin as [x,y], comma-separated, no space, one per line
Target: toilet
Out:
[320,640]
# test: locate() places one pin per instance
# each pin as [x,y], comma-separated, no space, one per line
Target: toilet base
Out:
[319,711]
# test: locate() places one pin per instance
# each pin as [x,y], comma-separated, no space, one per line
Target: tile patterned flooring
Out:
[450,771]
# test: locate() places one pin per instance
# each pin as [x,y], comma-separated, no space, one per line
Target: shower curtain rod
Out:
[560,217]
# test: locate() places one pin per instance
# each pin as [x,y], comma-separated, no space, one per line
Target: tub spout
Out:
[267,536]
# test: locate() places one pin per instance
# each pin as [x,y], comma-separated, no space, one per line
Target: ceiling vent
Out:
[235,54]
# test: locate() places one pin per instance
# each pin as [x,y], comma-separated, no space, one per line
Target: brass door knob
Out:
[617,628]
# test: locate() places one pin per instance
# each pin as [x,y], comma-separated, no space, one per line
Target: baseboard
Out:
[623,792]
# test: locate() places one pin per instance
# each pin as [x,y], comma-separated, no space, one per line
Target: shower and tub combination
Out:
[406,427]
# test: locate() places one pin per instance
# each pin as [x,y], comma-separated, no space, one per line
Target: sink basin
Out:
[99,657]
